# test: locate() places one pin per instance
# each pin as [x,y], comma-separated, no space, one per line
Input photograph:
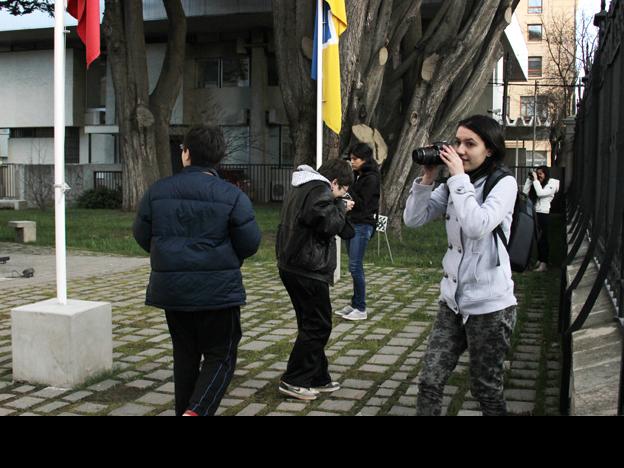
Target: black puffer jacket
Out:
[311,220]
[199,229]
[366,192]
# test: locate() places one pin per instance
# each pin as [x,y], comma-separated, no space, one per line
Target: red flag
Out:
[87,12]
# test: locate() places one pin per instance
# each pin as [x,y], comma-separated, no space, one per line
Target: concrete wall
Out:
[27,91]
[31,151]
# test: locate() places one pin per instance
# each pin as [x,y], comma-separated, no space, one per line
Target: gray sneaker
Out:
[356,316]
[346,311]
[299,393]
[329,388]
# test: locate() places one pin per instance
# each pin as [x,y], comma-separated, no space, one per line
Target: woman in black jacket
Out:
[365,192]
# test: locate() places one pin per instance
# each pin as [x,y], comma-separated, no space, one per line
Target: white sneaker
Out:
[542,268]
[299,393]
[346,311]
[356,316]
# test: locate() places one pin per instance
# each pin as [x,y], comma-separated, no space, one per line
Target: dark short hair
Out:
[490,132]
[363,151]
[206,146]
[337,169]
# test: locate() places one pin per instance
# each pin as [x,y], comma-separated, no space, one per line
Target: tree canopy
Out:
[23,7]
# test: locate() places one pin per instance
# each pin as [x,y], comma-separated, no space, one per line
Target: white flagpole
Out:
[319,84]
[59,149]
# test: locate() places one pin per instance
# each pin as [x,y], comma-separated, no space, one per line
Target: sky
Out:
[591,6]
[33,21]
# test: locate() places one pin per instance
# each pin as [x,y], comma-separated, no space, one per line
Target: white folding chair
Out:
[382,228]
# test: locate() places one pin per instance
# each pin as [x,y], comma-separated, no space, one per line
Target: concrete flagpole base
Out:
[61,346]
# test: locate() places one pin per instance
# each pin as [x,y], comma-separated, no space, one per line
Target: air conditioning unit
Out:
[278,192]
[95,117]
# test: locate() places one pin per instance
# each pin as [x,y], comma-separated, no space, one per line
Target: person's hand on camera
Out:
[534,176]
[349,204]
[453,161]
[429,175]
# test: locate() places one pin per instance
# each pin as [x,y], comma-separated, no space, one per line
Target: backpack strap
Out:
[492,181]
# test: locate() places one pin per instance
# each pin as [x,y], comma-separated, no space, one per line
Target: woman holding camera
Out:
[365,192]
[477,303]
[541,189]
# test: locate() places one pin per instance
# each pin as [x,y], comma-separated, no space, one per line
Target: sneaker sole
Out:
[333,390]
[355,319]
[297,396]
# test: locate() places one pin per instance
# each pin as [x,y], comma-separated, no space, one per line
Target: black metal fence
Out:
[262,183]
[8,182]
[595,200]
[111,180]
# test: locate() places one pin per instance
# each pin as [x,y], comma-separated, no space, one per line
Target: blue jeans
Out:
[356,248]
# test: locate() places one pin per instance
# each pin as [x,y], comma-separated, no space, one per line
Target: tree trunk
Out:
[165,95]
[409,81]
[143,120]
[123,28]
[294,22]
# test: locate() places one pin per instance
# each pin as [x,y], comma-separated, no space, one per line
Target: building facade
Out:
[230,80]
[549,26]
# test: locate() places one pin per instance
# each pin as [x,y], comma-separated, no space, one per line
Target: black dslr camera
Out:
[430,156]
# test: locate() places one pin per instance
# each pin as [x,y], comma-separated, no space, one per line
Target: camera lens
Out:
[427,157]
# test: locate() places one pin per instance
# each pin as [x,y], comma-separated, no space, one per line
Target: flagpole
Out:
[319,83]
[59,149]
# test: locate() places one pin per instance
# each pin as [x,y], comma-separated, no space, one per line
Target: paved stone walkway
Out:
[43,260]
[377,361]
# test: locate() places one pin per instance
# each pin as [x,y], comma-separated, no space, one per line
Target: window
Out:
[235,73]
[208,74]
[223,73]
[535,67]
[536,7]
[238,145]
[280,146]
[45,132]
[273,70]
[527,104]
[536,32]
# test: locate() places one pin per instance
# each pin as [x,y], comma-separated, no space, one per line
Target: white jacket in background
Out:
[545,195]
[473,284]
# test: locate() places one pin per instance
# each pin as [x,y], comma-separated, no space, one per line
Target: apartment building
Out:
[529,114]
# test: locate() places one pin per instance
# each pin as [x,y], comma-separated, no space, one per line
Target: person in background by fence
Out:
[199,229]
[313,214]
[541,189]
[477,302]
[365,192]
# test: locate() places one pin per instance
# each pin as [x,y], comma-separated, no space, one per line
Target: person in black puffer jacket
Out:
[365,192]
[199,230]
[314,213]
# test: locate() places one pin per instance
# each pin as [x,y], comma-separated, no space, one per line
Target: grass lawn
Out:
[110,232]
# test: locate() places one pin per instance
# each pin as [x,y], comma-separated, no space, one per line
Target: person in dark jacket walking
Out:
[314,213]
[199,230]
[365,192]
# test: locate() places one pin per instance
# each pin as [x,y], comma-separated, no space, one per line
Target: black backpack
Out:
[523,227]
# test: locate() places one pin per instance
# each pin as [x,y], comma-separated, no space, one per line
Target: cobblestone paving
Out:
[377,361]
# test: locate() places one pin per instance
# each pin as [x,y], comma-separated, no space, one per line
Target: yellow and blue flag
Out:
[335,24]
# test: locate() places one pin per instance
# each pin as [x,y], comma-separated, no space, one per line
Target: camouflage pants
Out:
[487,339]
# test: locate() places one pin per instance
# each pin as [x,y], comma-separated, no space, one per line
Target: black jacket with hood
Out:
[311,220]
[366,192]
